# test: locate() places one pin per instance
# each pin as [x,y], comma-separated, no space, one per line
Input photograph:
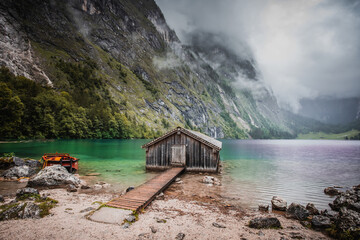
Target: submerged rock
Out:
[297,211]
[53,176]
[331,191]
[278,203]
[263,222]
[130,188]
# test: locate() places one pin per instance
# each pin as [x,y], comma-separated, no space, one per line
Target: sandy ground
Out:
[189,207]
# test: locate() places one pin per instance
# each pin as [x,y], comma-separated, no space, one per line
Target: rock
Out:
[178,179]
[331,191]
[312,209]
[211,180]
[260,233]
[18,161]
[93,174]
[26,191]
[97,186]
[71,188]
[87,209]
[264,207]
[85,187]
[130,188]
[348,221]
[218,225]
[297,211]
[20,210]
[103,184]
[126,225]
[13,178]
[2,198]
[160,220]
[180,236]
[31,210]
[144,236]
[265,222]
[306,224]
[320,221]
[278,204]
[32,163]
[339,202]
[153,229]
[296,235]
[355,206]
[161,196]
[330,214]
[18,172]
[130,218]
[53,176]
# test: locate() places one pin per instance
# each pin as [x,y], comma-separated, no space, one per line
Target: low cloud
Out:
[304,49]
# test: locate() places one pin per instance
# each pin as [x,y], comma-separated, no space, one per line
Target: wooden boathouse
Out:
[182,147]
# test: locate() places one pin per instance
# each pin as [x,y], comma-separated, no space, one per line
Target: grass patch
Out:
[335,136]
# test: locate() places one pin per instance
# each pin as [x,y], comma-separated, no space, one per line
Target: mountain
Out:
[114,69]
[331,110]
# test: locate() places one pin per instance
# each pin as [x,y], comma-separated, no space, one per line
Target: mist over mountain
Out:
[303,49]
[115,69]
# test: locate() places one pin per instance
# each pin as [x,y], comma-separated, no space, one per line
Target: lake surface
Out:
[254,170]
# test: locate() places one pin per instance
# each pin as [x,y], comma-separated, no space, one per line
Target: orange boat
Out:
[63,159]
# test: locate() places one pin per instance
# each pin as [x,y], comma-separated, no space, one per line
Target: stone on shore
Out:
[278,203]
[319,221]
[180,236]
[53,176]
[312,209]
[26,191]
[297,211]
[265,222]
[331,191]
[2,198]
[18,172]
[264,207]
[20,210]
[211,180]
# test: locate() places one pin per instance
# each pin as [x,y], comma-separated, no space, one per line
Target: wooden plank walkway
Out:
[142,196]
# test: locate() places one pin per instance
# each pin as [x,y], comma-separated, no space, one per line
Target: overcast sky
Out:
[304,48]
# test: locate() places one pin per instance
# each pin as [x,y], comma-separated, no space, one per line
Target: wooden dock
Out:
[142,196]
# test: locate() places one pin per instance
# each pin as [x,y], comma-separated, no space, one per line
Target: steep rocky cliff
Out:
[146,71]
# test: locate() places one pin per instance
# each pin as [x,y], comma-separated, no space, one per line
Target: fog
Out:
[303,49]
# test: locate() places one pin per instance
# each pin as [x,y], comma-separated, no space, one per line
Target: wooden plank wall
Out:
[199,157]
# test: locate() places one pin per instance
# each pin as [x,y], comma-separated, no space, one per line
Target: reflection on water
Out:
[254,170]
[296,170]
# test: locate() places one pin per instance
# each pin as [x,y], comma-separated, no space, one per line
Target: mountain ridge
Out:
[121,65]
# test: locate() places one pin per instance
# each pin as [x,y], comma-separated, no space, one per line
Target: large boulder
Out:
[278,204]
[53,176]
[297,211]
[18,172]
[262,222]
[319,221]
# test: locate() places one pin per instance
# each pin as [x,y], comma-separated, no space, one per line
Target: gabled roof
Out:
[209,141]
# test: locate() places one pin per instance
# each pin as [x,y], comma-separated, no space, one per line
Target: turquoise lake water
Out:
[254,170]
